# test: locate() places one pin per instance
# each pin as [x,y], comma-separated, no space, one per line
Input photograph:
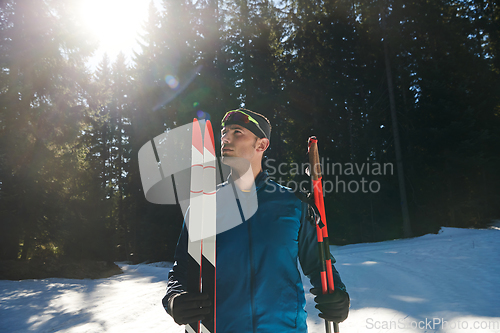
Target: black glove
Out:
[188,308]
[334,307]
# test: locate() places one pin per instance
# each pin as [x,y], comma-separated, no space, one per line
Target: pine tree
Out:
[43,84]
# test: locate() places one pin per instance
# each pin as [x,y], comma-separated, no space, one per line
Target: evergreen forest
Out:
[409,85]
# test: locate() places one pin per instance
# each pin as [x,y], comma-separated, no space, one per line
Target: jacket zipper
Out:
[252,272]
[252,282]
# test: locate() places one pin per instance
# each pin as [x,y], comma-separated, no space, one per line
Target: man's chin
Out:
[224,159]
[235,162]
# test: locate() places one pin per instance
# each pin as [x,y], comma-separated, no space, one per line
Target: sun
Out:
[117,24]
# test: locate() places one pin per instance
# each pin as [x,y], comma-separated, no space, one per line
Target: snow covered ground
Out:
[447,282]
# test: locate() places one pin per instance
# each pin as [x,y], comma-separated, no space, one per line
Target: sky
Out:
[116,23]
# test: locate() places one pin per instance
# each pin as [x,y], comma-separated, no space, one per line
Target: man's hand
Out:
[188,308]
[334,307]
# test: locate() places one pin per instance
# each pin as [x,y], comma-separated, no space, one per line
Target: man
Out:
[259,286]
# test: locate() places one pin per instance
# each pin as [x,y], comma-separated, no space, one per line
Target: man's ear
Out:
[262,144]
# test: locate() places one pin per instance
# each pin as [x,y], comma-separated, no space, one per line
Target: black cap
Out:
[263,130]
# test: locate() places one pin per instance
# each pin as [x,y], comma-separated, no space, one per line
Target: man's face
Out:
[238,143]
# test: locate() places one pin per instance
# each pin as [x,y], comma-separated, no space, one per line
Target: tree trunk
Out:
[395,129]
[27,243]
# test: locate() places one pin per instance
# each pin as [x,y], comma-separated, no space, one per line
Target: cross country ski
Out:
[202,222]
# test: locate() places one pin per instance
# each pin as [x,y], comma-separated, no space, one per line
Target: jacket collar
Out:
[261,179]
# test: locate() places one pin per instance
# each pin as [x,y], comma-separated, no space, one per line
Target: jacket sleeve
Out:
[309,252]
[177,277]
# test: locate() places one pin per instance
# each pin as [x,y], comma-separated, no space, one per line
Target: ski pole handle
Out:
[327,282]
[316,178]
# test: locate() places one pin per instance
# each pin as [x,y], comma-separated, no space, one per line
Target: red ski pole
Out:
[327,283]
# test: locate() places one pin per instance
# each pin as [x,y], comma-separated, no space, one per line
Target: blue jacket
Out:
[259,287]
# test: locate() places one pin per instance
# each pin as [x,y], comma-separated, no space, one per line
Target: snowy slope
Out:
[409,285]
[417,285]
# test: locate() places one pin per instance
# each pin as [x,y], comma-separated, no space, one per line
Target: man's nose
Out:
[225,138]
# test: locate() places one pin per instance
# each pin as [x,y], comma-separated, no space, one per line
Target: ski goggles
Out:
[239,116]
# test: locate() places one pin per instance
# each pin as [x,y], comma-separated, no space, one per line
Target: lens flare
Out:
[203,115]
[172,82]
[180,83]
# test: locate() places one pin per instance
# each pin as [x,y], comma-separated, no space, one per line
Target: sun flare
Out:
[116,23]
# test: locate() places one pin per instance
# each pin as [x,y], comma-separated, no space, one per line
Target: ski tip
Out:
[209,133]
[197,139]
